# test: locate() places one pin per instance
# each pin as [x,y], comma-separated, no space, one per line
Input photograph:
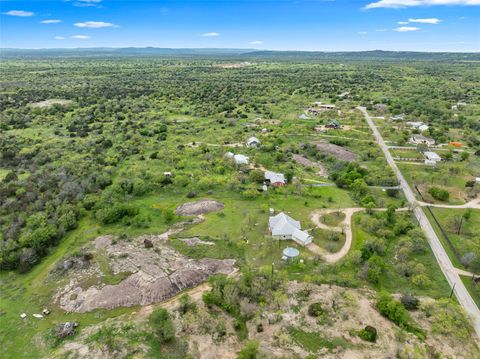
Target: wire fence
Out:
[444,233]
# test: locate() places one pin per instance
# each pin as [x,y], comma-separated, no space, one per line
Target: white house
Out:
[275,179]
[414,124]
[282,226]
[240,159]
[397,118]
[432,156]
[253,142]
[422,128]
[419,139]
[229,154]
[477,180]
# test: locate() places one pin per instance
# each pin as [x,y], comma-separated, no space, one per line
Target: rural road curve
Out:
[446,265]
[345,225]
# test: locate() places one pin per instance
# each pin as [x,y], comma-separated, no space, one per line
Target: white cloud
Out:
[50,21]
[86,3]
[95,24]
[406,29]
[210,34]
[256,42]
[80,37]
[362,33]
[432,21]
[59,38]
[411,3]
[20,13]
[402,22]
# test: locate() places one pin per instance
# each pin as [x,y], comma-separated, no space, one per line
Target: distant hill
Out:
[244,54]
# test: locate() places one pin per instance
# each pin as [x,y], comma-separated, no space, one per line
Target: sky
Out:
[312,25]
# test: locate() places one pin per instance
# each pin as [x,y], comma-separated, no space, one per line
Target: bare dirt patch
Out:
[199,207]
[152,274]
[337,151]
[50,103]
[345,311]
[194,241]
[322,171]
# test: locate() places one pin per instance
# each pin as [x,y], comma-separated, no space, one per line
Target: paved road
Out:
[473,204]
[448,270]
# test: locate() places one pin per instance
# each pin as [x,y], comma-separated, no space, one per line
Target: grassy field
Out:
[473,289]
[465,241]
[451,176]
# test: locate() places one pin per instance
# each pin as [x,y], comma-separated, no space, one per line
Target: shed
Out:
[432,156]
[253,142]
[240,159]
[333,124]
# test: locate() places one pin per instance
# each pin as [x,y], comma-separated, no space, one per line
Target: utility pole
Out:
[453,288]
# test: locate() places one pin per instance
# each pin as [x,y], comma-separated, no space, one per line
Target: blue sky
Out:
[325,25]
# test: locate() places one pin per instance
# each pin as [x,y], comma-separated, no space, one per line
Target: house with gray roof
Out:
[253,142]
[285,227]
[275,179]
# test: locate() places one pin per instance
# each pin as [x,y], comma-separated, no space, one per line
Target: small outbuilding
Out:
[432,156]
[253,142]
[240,159]
[335,124]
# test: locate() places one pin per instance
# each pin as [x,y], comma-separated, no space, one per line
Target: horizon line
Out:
[229,48]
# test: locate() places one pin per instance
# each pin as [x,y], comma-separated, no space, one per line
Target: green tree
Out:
[162,325]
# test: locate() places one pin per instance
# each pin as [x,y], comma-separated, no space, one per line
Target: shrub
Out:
[162,325]
[115,213]
[368,334]
[315,310]
[439,193]
[394,310]
[409,302]
[249,351]
[186,305]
